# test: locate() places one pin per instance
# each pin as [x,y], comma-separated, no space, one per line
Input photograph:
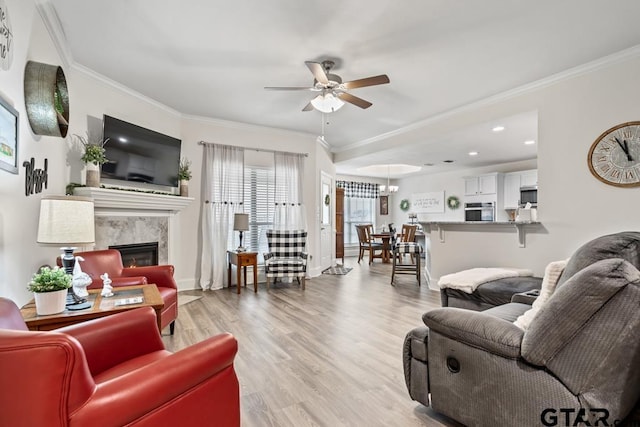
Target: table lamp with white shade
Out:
[67,221]
[241,223]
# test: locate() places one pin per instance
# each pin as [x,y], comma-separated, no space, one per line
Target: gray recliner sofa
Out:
[578,360]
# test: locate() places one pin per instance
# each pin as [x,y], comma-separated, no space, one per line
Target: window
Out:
[258,202]
[357,211]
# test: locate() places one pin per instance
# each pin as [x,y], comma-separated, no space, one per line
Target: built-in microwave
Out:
[479,211]
[529,195]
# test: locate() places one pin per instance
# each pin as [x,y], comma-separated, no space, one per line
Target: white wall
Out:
[452,183]
[574,206]
[20,256]
[220,132]
[91,96]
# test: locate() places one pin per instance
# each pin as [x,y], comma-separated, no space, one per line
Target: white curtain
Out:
[289,175]
[222,197]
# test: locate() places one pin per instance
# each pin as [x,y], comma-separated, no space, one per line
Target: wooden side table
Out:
[242,260]
[100,307]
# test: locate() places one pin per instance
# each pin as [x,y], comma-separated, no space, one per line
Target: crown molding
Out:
[244,126]
[54,27]
[122,88]
[606,61]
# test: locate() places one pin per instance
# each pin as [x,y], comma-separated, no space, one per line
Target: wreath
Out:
[404,205]
[327,200]
[453,202]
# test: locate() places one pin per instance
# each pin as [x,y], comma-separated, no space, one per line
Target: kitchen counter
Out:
[481,222]
[518,225]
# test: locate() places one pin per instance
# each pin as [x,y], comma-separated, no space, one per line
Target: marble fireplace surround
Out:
[126,217]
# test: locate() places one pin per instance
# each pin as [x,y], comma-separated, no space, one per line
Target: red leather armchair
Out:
[109,261]
[113,371]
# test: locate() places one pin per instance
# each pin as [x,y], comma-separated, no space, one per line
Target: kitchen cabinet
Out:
[529,178]
[482,184]
[512,190]
[512,183]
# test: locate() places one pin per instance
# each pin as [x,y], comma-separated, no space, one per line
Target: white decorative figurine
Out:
[107,289]
[80,280]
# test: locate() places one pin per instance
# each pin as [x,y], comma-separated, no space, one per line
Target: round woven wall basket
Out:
[46,99]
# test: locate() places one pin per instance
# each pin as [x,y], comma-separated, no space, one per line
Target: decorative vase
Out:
[184,188]
[93,175]
[50,302]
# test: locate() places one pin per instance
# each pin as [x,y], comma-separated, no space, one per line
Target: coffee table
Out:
[100,307]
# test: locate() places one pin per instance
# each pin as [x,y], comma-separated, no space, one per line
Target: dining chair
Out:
[407,235]
[368,243]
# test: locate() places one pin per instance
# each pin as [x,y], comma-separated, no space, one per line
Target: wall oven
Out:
[479,211]
[529,195]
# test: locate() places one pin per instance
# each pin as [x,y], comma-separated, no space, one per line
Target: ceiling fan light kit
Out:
[327,103]
[334,93]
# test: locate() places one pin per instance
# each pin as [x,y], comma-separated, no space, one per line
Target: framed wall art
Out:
[384,205]
[432,202]
[8,137]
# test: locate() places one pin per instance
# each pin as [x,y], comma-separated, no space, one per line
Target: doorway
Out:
[326,221]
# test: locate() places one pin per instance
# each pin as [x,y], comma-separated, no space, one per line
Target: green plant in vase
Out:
[184,171]
[93,153]
[184,175]
[93,156]
[49,287]
[49,280]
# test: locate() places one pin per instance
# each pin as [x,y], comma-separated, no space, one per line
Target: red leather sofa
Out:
[109,261]
[113,371]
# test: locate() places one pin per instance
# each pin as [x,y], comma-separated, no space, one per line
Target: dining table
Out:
[385,236]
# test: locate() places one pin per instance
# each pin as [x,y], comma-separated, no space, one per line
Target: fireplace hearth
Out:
[138,254]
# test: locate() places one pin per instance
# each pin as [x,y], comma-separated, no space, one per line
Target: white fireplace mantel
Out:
[133,201]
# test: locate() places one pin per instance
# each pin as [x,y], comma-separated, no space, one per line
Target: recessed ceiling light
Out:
[473,153]
[529,142]
[498,129]
[122,139]
[447,161]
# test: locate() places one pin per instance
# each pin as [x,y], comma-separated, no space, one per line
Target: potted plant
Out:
[49,287]
[93,157]
[184,175]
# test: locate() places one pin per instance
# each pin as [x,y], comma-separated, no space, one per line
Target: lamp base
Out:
[74,302]
[241,249]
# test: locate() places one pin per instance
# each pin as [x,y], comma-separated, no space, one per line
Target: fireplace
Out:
[138,254]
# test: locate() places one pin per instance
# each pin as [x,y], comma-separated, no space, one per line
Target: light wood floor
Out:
[327,356]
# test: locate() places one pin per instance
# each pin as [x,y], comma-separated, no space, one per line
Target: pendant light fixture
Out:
[386,190]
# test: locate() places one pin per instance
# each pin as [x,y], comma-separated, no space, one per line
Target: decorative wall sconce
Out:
[46,99]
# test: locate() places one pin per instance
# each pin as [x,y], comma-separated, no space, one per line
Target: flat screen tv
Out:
[139,155]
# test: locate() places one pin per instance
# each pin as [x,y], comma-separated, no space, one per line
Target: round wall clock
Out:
[614,157]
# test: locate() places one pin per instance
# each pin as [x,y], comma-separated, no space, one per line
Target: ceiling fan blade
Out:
[289,88]
[347,97]
[308,107]
[369,81]
[318,72]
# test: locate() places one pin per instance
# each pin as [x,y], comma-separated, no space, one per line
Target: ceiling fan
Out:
[333,92]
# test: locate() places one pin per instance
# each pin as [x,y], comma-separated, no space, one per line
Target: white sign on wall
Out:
[432,202]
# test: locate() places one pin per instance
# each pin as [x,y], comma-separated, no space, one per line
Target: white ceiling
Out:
[213,58]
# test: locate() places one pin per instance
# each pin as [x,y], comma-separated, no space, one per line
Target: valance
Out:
[361,190]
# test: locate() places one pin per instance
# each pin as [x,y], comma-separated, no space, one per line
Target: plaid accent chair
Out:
[286,256]
[401,248]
